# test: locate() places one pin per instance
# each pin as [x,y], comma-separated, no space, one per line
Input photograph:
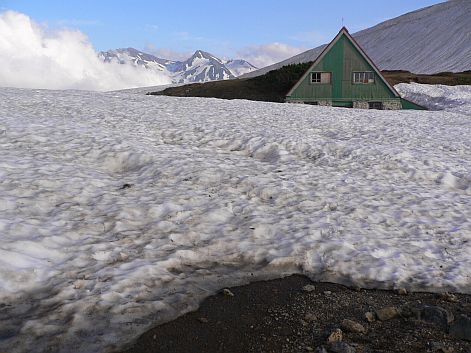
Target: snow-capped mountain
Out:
[239,67]
[136,57]
[430,40]
[200,67]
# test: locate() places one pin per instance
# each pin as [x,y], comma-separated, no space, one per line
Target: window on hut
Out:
[364,77]
[321,77]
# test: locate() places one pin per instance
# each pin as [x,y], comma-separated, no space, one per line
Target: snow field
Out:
[438,97]
[119,211]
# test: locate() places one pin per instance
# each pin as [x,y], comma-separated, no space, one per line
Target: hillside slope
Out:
[430,40]
[271,87]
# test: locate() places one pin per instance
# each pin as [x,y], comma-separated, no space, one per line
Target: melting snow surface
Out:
[438,97]
[119,211]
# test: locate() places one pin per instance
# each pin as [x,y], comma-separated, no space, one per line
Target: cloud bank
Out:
[267,54]
[33,57]
[166,53]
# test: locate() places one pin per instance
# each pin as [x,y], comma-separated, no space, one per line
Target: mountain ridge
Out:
[200,67]
[425,41]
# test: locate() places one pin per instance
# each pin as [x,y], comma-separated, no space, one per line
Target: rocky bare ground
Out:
[294,315]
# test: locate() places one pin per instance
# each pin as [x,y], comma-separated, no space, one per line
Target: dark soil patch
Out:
[444,78]
[279,316]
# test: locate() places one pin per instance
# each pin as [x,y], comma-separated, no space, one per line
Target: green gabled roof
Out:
[344,32]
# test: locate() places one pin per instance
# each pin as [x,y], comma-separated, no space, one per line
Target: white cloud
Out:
[267,54]
[165,53]
[33,57]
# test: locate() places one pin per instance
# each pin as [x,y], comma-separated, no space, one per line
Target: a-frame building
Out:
[344,76]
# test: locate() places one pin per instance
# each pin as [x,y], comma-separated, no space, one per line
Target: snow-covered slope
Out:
[200,67]
[430,40]
[119,211]
[239,67]
[438,97]
[136,58]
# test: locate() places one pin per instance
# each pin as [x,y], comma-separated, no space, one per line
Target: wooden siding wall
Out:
[342,60]
[354,61]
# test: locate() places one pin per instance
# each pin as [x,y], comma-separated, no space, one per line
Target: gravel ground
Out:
[296,315]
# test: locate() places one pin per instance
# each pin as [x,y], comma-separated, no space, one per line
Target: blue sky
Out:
[174,29]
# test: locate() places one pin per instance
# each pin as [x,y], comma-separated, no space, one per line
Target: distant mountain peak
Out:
[201,54]
[200,67]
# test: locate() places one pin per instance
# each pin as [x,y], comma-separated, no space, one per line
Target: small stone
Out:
[320,349]
[327,292]
[410,311]
[387,313]
[310,317]
[335,336]
[227,292]
[309,288]
[402,291]
[447,350]
[437,347]
[125,186]
[154,337]
[341,347]
[370,316]
[436,315]
[286,331]
[352,326]
[449,297]
[461,328]
[203,320]
[309,349]
[7,331]
[304,323]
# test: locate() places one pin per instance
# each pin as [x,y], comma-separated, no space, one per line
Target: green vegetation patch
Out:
[274,85]
[271,87]
[442,78]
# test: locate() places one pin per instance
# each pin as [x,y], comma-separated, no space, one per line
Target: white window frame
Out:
[318,81]
[363,78]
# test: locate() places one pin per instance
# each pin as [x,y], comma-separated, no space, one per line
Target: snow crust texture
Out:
[119,211]
[438,97]
[430,40]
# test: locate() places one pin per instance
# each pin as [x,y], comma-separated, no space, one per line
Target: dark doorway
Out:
[375,105]
[342,104]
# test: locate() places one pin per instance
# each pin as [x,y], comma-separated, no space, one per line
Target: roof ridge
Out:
[362,52]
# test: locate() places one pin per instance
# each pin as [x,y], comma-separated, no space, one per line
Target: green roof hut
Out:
[344,76]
